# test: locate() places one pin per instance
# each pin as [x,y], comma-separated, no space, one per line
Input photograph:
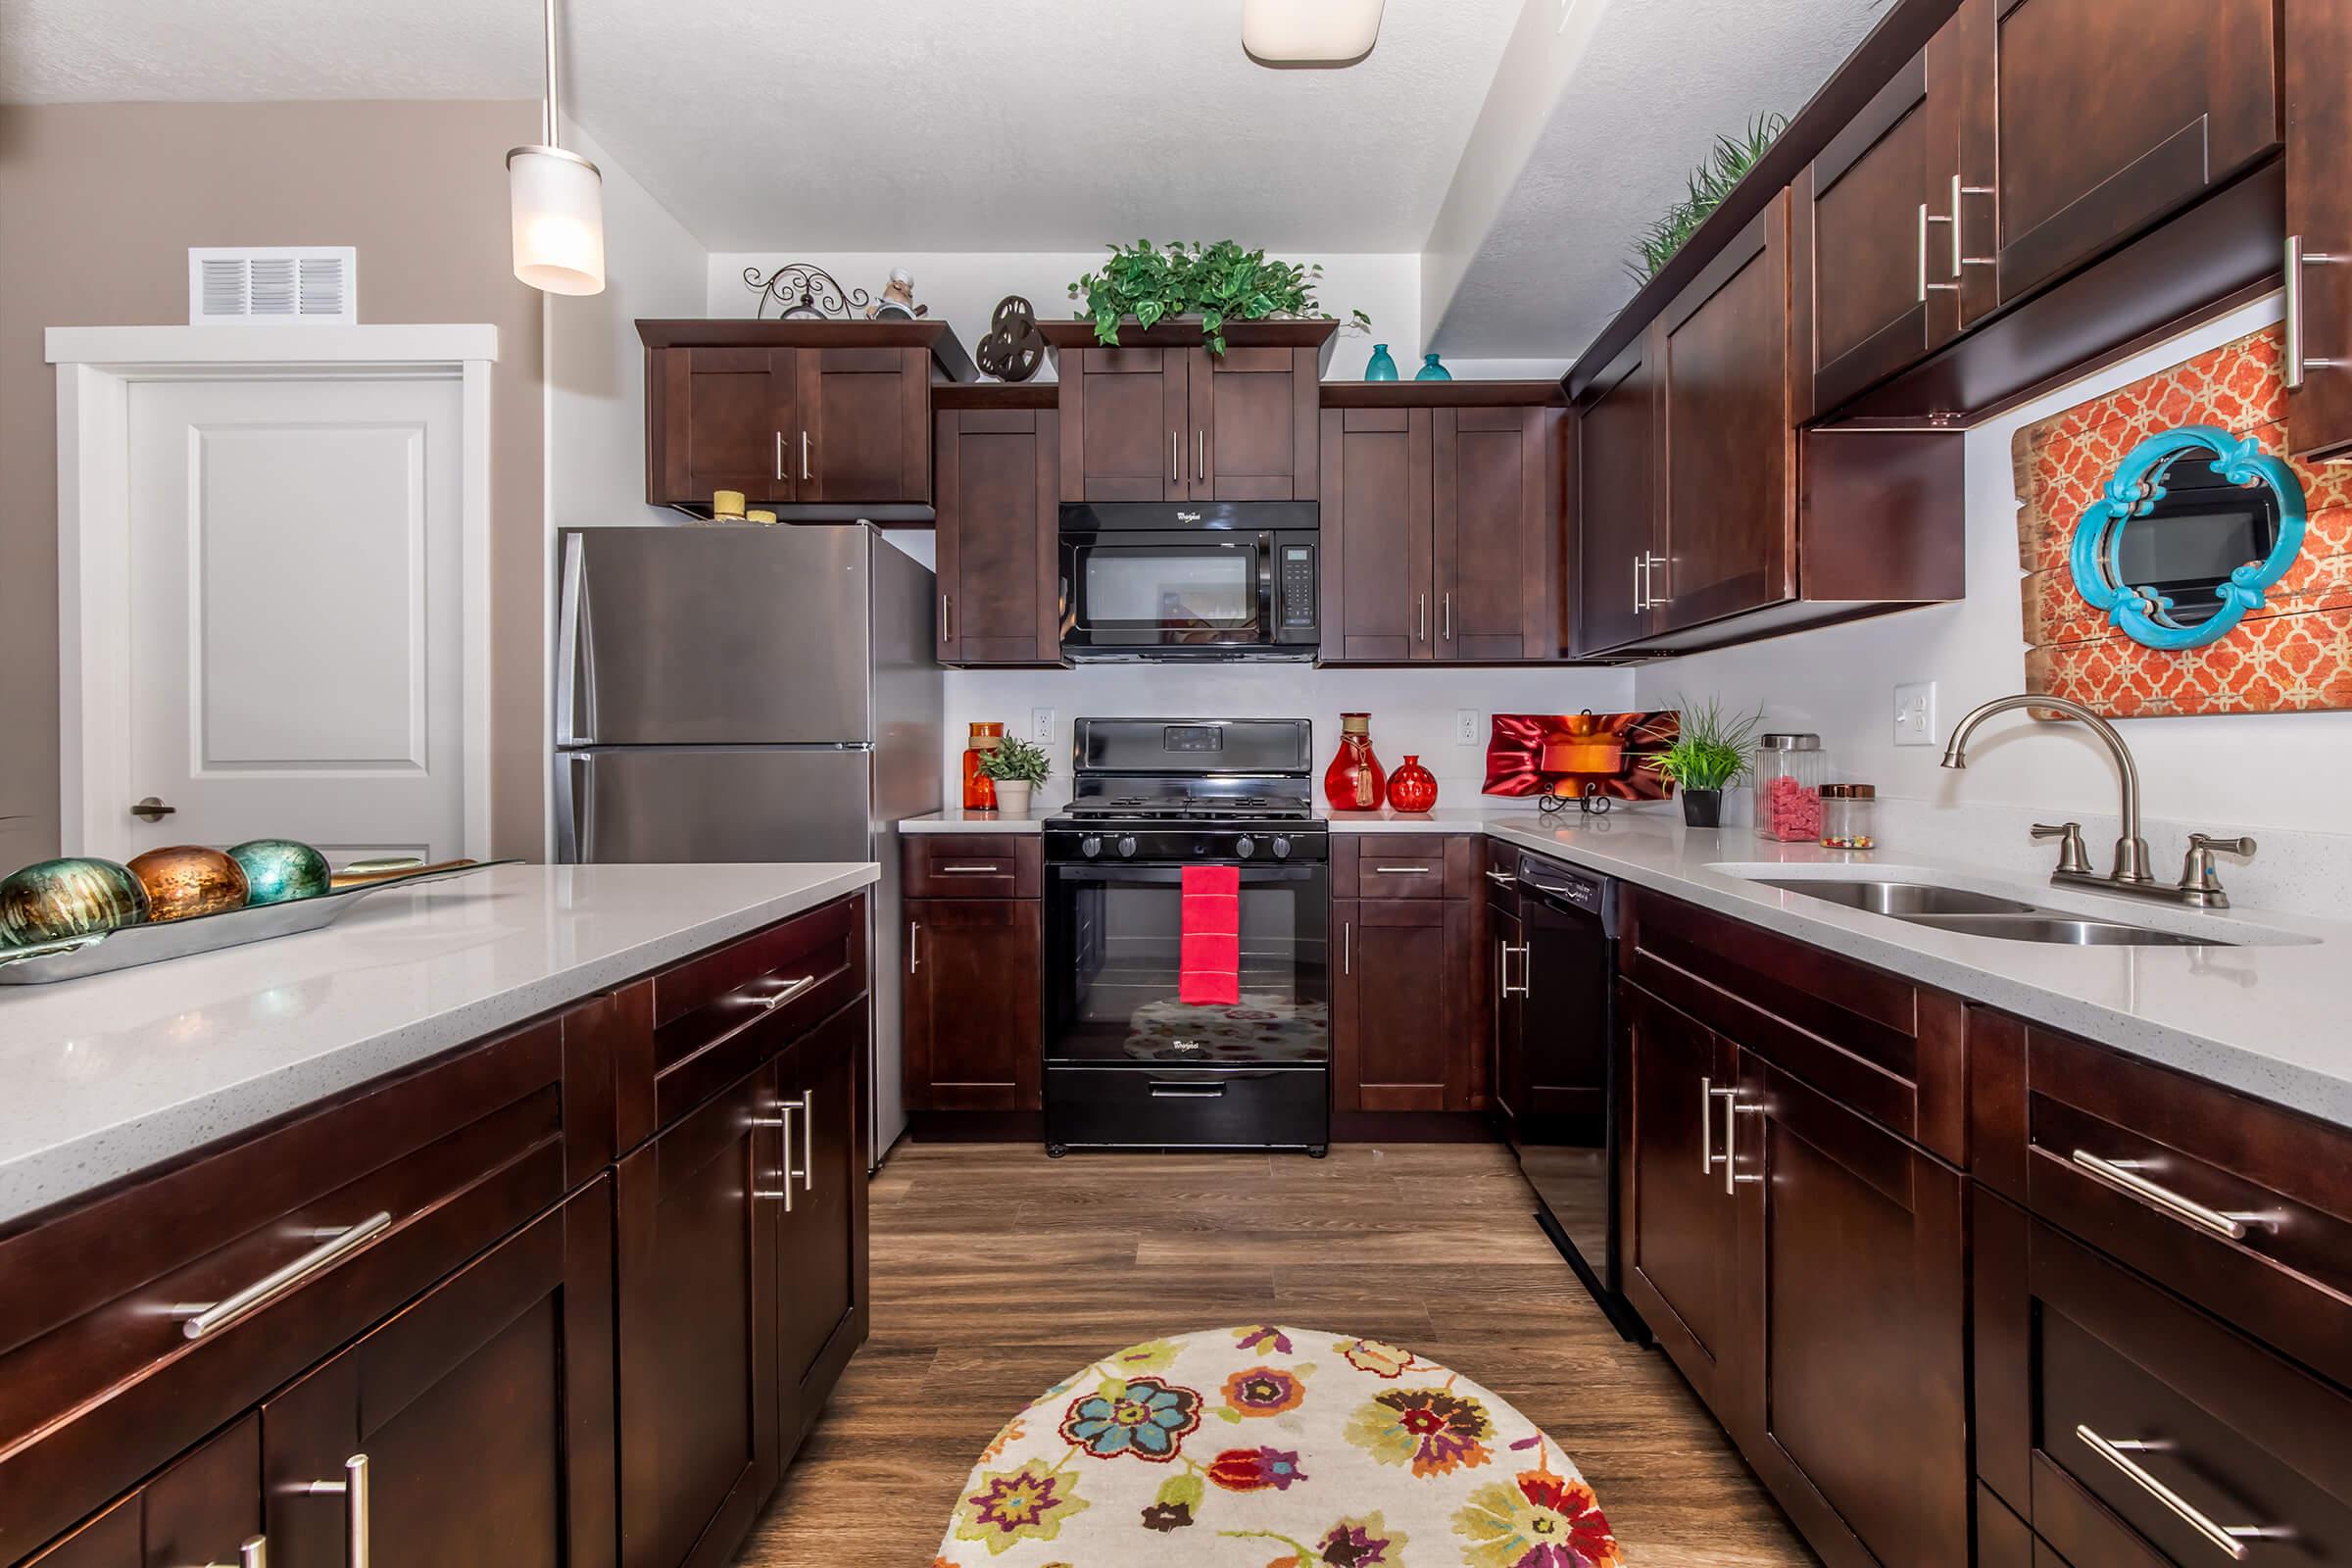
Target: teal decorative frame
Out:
[2137,484]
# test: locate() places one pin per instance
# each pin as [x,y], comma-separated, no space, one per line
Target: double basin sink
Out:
[1984,914]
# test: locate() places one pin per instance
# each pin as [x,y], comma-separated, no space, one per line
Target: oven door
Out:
[1113,936]
[1201,592]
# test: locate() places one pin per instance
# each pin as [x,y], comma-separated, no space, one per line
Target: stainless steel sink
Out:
[1984,914]
[1899,898]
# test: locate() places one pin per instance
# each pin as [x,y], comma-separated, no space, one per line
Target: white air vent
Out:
[318,284]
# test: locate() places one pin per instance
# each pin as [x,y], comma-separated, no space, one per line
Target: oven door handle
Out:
[1162,1089]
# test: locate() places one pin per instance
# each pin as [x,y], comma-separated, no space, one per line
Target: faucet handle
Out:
[2199,882]
[2071,857]
[2203,841]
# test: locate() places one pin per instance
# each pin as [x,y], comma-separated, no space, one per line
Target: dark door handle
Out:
[152,809]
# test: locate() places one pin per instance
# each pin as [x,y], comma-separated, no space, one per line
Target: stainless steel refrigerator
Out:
[751,694]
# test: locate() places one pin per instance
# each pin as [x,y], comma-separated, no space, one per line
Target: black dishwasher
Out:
[1555,1066]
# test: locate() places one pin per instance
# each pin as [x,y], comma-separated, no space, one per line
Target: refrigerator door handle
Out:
[575,807]
[575,669]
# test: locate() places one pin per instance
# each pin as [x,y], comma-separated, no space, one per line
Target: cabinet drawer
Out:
[2140,1430]
[976,866]
[2159,1169]
[1407,865]
[1889,1049]
[717,1016]
[297,1240]
[1187,1107]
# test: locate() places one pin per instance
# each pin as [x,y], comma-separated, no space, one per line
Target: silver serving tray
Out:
[127,947]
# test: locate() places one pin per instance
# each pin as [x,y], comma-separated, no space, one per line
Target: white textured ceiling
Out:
[1658,80]
[861,124]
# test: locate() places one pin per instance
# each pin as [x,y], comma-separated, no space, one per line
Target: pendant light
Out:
[559,201]
[1309,32]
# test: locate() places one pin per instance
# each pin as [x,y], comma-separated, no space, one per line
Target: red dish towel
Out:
[1211,957]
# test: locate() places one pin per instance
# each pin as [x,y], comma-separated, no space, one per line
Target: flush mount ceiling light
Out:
[559,201]
[1309,32]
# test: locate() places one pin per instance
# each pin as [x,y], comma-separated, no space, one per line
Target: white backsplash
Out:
[1413,709]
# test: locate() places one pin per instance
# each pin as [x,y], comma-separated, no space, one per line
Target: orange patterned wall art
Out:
[2293,654]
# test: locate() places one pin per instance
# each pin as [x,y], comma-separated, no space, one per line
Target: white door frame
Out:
[96,367]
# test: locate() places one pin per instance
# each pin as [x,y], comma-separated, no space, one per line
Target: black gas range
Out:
[1128,1064]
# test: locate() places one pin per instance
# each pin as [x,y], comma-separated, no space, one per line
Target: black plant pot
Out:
[1702,807]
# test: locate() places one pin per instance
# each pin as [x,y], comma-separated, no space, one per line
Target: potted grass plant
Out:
[1017,766]
[1711,755]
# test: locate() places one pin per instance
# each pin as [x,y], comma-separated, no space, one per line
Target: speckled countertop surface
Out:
[104,1076]
[2270,1016]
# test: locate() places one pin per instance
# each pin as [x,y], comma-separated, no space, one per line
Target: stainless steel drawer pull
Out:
[2124,1175]
[790,991]
[253,1553]
[1526,973]
[914,950]
[781,1193]
[1168,1091]
[205,1317]
[779,455]
[804,474]
[970,870]
[1708,1160]
[807,1171]
[2229,1538]
[1503,879]
[353,1490]
[1348,947]
[1173,473]
[1405,870]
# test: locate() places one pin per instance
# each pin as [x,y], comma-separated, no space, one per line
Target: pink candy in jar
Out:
[1788,770]
[1791,812]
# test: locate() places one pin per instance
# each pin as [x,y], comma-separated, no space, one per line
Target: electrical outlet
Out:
[1040,725]
[1467,728]
[1915,713]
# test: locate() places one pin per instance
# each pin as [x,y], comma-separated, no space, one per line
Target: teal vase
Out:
[1432,370]
[1380,368]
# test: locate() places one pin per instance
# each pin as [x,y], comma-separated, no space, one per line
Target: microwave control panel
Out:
[1299,586]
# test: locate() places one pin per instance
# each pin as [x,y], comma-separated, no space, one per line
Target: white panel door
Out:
[296,634]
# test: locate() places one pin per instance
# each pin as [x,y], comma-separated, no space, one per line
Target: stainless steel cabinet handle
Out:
[914,952]
[353,1490]
[790,991]
[947,619]
[1708,1160]
[1925,218]
[1651,599]
[782,1122]
[969,870]
[1923,253]
[804,474]
[253,1553]
[1174,472]
[807,1170]
[1638,605]
[1526,971]
[1503,879]
[205,1317]
[1201,454]
[1403,870]
[1422,613]
[1732,1110]
[1960,257]
[1450,616]
[779,456]
[2298,362]
[1348,947]
[2229,1540]
[2124,1176]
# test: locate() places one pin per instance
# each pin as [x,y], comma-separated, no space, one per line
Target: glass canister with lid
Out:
[1848,816]
[1787,774]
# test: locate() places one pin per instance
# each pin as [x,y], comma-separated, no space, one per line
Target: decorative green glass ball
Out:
[279,870]
[51,899]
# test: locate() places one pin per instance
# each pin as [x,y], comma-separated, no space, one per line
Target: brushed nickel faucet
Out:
[2200,884]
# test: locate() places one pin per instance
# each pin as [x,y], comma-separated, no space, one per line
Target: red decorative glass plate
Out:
[1563,754]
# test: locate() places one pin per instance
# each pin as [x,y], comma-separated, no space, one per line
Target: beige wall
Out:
[98,204]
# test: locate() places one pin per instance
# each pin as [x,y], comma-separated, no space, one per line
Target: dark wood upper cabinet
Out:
[1495,477]
[864,424]
[2319,216]
[1125,429]
[974,1007]
[1615,521]
[823,1304]
[1376,535]
[2085,121]
[472,1430]
[998,542]
[1253,415]
[716,420]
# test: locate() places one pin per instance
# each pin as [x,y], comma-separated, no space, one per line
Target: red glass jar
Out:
[1412,787]
[979,790]
[1355,781]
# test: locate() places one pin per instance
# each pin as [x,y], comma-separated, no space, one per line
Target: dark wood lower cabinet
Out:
[1400,1005]
[473,1430]
[822,1306]
[972,1008]
[207,1508]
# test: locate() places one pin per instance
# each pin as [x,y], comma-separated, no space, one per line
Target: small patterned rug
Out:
[1273,1447]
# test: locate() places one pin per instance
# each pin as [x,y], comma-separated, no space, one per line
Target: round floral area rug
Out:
[1274,1448]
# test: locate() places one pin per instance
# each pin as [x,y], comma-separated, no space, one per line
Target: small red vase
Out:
[1355,781]
[1412,787]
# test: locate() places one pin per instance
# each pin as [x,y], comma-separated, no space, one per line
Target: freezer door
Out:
[662,804]
[713,636]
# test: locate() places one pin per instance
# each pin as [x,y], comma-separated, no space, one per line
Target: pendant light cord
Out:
[549,125]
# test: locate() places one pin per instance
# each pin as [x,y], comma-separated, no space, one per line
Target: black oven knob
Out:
[1126,845]
[1282,848]
[1091,845]
[1243,848]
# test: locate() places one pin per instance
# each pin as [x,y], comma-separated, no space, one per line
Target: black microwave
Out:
[1191,579]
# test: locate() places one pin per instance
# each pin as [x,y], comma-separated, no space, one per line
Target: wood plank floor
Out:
[997,1271]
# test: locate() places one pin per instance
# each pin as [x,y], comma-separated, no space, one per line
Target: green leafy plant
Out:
[1712,751]
[1710,182]
[1220,282]
[1017,760]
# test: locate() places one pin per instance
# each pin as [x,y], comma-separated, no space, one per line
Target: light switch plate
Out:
[1040,725]
[1915,713]
[1467,728]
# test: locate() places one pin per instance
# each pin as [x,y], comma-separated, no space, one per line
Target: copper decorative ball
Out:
[189,880]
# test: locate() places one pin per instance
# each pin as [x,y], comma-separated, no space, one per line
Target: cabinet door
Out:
[2091,120]
[1495,496]
[1376,535]
[207,1508]
[1253,425]
[1677,1226]
[1851,1309]
[973,1003]
[475,1429]
[720,420]
[1731,459]
[697,1236]
[1618,473]
[2319,211]
[864,431]
[1400,1035]
[1506,967]
[1126,425]
[820,1250]
[998,543]
[1875,273]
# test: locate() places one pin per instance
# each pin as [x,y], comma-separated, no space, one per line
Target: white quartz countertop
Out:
[107,1075]
[956,819]
[2271,1017]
